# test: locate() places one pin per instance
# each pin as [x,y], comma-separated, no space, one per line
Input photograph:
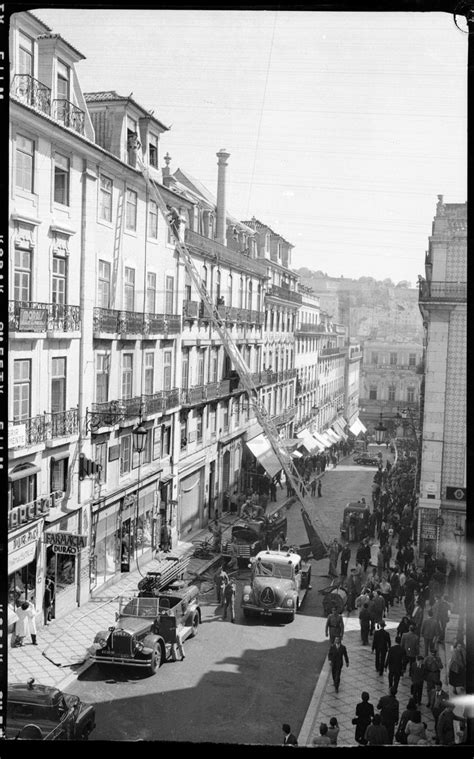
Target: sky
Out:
[342,128]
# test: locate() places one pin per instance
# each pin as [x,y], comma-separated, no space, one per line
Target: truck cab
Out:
[279,581]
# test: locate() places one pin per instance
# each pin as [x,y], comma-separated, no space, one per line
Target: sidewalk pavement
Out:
[361,675]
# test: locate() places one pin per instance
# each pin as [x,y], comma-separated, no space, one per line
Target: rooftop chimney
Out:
[221,214]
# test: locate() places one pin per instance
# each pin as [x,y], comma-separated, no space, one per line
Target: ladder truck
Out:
[319,540]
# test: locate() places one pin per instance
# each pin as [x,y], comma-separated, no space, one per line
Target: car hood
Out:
[278,584]
[134,625]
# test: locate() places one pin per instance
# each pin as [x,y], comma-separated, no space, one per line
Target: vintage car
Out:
[54,715]
[249,536]
[366,459]
[354,525]
[279,581]
[147,629]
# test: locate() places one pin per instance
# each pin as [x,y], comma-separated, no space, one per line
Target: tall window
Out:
[131,210]
[229,290]
[152,219]
[104,285]
[59,468]
[22,278]
[200,368]
[21,389]
[410,394]
[25,151]
[25,55]
[127,375]
[218,286]
[100,457]
[59,278]
[125,453]
[169,283]
[149,383]
[62,81]
[153,150]
[105,198]
[131,133]
[61,179]
[185,369]
[150,292]
[102,377]
[199,413]
[393,359]
[58,385]
[412,359]
[391,393]
[225,415]
[129,289]
[214,364]
[212,420]
[167,370]
[241,292]
[375,358]
[373,393]
[250,296]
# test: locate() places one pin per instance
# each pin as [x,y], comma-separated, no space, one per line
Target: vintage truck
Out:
[148,627]
[46,713]
[278,584]
[249,536]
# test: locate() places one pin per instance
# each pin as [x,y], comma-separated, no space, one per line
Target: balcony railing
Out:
[200,393]
[112,321]
[68,114]
[442,291]
[311,329]
[325,352]
[285,417]
[30,316]
[190,309]
[285,293]
[214,250]
[29,90]
[49,426]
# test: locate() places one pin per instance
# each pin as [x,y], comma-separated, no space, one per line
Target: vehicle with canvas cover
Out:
[249,536]
[46,713]
[147,629]
[354,526]
[278,584]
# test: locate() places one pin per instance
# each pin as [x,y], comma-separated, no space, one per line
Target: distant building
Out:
[443,305]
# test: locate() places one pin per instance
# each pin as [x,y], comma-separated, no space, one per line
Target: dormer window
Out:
[62,81]
[25,55]
[131,132]
[153,150]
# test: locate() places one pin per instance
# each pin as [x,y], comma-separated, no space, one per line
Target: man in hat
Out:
[337,655]
[381,644]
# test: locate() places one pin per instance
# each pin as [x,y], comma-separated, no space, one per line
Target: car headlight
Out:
[246,597]
[289,602]
[139,646]
[101,642]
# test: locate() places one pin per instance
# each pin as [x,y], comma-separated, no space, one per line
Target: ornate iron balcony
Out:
[190,309]
[35,428]
[29,90]
[62,423]
[285,293]
[153,404]
[30,316]
[442,291]
[69,114]
[113,321]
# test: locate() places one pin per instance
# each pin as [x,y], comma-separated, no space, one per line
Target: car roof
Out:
[354,505]
[279,557]
[45,695]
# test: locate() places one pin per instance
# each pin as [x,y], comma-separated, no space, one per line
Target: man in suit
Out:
[364,621]
[429,631]
[418,679]
[394,663]
[288,738]
[438,701]
[389,712]
[381,644]
[334,626]
[410,645]
[337,655]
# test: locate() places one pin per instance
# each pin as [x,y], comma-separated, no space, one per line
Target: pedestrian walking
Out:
[337,655]
[409,714]
[457,667]
[364,621]
[389,712]
[221,578]
[320,489]
[415,730]
[433,666]
[333,730]
[273,491]
[376,734]
[48,600]
[410,645]
[334,550]
[442,613]
[430,631]
[334,626]
[364,713]
[313,487]
[438,701]
[345,559]
[381,644]
[417,677]
[418,615]
[26,623]
[323,738]
[229,599]
[376,609]
[445,728]
[288,738]
[394,663]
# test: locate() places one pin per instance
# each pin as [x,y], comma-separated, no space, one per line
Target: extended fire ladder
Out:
[318,539]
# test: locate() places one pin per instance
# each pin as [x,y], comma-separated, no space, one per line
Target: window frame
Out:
[127,376]
[152,219]
[131,223]
[20,152]
[129,281]
[59,379]
[125,456]
[59,170]
[24,382]
[105,193]
[102,265]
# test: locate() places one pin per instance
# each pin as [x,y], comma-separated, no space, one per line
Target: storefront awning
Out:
[322,441]
[357,427]
[26,471]
[327,440]
[338,429]
[333,435]
[362,426]
[262,450]
[340,424]
[308,440]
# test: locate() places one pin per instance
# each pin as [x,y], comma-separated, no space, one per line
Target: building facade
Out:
[443,305]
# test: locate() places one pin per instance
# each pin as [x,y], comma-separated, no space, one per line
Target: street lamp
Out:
[139,434]
[380,431]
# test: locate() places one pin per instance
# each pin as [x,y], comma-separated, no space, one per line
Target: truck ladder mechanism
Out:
[319,542]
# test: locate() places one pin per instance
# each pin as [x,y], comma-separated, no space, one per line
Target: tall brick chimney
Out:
[220,220]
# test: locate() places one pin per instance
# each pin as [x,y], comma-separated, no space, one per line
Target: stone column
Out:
[221,188]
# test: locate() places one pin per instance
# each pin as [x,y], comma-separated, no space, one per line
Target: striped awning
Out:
[308,440]
[263,452]
[357,427]
[322,441]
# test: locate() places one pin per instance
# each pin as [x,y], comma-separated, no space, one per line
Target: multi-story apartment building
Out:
[443,306]
[390,379]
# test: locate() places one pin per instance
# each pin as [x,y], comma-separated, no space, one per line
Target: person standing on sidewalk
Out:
[313,487]
[364,713]
[417,676]
[221,578]
[394,664]
[345,559]
[337,655]
[433,666]
[442,612]
[334,626]
[410,645]
[389,713]
[334,550]
[48,598]
[429,631]
[381,644]
[364,621]
[376,734]
[320,488]
[229,599]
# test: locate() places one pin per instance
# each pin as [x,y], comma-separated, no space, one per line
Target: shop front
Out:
[23,559]
[60,563]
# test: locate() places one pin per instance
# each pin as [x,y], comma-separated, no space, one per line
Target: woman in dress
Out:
[415,730]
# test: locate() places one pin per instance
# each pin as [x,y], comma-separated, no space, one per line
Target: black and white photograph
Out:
[234,285]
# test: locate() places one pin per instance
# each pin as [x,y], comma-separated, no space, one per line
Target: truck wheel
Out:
[246,613]
[194,626]
[290,617]
[155,661]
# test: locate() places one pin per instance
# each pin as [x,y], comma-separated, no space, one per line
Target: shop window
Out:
[59,472]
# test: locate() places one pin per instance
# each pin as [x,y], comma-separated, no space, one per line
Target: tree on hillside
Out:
[404,283]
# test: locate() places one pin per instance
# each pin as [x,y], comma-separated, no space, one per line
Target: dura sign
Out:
[65,542]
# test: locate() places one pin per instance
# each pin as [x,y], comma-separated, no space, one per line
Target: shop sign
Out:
[33,319]
[22,548]
[27,512]
[16,435]
[456,494]
[65,542]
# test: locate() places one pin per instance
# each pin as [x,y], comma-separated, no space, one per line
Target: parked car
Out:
[147,629]
[54,715]
[278,585]
[366,459]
